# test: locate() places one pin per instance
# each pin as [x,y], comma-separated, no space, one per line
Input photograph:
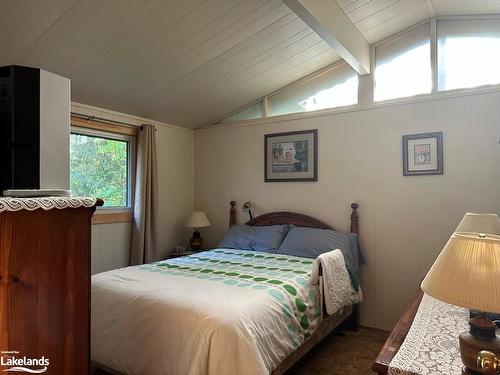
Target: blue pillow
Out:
[258,238]
[311,242]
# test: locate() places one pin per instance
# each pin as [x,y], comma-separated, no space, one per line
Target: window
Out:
[468,53]
[403,65]
[101,166]
[252,112]
[335,87]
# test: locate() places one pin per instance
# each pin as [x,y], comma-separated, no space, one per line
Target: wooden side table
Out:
[183,254]
[397,336]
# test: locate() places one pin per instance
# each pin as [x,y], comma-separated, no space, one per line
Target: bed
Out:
[222,311]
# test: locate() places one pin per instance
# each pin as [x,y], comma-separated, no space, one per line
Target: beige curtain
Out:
[146,198]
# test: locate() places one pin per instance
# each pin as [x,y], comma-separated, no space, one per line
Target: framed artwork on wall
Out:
[291,156]
[423,154]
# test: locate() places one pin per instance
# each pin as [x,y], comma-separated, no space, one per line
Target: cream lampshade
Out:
[197,220]
[467,273]
[480,223]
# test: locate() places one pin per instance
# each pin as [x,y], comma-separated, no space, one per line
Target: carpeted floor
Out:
[352,354]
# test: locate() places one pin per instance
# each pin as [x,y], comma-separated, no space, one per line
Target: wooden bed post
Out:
[354,218]
[354,320]
[232,214]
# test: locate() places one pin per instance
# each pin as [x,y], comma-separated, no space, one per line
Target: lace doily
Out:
[45,203]
[431,346]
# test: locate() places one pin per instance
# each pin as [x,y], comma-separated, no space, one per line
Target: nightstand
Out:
[183,254]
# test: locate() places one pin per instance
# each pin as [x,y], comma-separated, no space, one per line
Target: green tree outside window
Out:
[99,168]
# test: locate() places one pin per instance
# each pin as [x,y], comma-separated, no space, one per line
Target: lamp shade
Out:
[480,223]
[197,220]
[467,272]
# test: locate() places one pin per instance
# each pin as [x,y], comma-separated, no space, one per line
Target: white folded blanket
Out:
[336,281]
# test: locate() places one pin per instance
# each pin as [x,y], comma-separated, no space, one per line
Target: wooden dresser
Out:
[45,283]
[397,336]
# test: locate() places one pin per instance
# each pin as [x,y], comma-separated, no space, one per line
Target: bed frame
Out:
[347,319]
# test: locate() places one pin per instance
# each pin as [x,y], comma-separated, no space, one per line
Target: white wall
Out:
[111,242]
[404,221]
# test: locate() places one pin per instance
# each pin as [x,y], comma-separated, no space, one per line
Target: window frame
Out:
[99,129]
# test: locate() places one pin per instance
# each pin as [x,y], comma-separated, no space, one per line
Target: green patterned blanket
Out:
[285,278]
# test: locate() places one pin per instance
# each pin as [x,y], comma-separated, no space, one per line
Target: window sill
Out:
[106,216]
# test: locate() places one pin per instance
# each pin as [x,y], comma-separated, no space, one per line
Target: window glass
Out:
[335,87]
[403,65]
[252,112]
[99,167]
[468,53]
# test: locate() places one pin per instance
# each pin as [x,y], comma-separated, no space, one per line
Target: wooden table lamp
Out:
[197,220]
[467,273]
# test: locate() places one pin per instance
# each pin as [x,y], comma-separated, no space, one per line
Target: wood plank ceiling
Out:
[379,19]
[188,62]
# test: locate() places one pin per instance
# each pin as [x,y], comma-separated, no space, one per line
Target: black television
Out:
[19,128]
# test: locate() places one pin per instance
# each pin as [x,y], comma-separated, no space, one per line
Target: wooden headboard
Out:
[300,220]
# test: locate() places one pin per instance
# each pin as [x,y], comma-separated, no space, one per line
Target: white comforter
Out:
[219,312]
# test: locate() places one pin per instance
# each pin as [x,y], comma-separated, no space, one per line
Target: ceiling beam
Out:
[328,20]
[430,8]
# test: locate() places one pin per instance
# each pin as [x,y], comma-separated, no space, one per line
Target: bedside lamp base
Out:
[196,242]
[480,348]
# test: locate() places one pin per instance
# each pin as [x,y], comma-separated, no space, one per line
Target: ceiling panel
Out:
[6,6]
[97,43]
[184,56]
[133,41]
[33,25]
[454,7]
[378,19]
[185,62]
[83,24]
[284,32]
[353,5]
[13,14]
[312,59]
[386,23]
[266,70]
[189,62]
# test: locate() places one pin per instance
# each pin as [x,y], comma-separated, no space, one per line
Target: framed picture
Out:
[423,154]
[291,156]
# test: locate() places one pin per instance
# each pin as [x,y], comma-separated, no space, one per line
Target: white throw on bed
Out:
[217,312]
[337,287]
